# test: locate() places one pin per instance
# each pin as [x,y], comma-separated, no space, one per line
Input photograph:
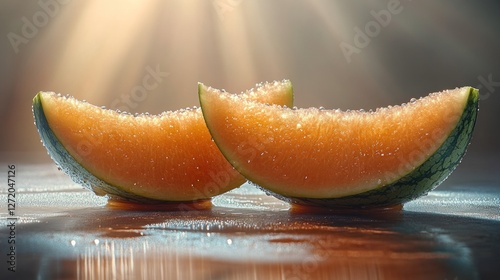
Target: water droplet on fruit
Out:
[321,108]
[413,100]
[299,126]
[73,243]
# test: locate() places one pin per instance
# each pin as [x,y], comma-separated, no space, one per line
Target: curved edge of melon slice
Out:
[69,165]
[417,183]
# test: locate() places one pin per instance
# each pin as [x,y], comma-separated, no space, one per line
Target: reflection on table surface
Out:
[65,232]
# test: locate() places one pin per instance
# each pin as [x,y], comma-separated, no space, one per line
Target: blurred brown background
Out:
[338,54]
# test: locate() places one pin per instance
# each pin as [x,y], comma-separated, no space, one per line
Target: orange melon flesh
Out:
[168,157]
[314,153]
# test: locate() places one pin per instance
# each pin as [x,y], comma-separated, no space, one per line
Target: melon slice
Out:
[344,159]
[143,158]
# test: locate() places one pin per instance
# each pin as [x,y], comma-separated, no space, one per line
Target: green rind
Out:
[420,181]
[74,169]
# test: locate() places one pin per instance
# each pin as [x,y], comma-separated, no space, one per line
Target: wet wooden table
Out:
[65,232]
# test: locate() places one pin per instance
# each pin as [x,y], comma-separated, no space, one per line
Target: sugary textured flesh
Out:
[169,157]
[314,153]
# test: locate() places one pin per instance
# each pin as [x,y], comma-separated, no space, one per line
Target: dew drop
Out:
[73,243]
[413,100]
